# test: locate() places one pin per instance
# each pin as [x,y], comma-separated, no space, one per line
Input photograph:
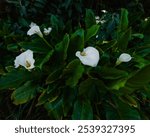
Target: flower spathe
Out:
[89,56]
[104,11]
[97,18]
[25,59]
[34,29]
[124,57]
[47,31]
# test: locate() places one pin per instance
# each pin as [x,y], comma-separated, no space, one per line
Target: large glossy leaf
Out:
[110,73]
[54,76]
[24,93]
[144,50]
[55,108]
[82,110]
[123,40]
[12,47]
[118,84]
[139,79]
[89,18]
[14,78]
[76,43]
[140,61]
[55,22]
[124,20]
[62,47]
[92,88]
[45,59]
[37,45]
[69,96]
[120,111]
[60,54]
[92,31]
[73,72]
[48,95]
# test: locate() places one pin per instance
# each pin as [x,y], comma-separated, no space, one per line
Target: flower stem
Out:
[118,62]
[47,42]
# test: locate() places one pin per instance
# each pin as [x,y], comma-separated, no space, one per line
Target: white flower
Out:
[146,19]
[104,11]
[98,20]
[47,31]
[97,17]
[25,59]
[34,29]
[124,57]
[32,24]
[89,56]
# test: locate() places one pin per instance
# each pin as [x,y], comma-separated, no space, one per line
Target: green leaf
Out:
[110,73]
[37,45]
[143,51]
[123,40]
[67,4]
[24,93]
[140,62]
[55,22]
[92,89]
[140,78]
[62,47]
[120,111]
[124,20]
[76,43]
[50,95]
[118,84]
[45,59]
[92,31]
[129,100]
[12,47]
[138,35]
[22,21]
[73,72]
[82,110]
[60,54]
[14,78]
[69,95]
[89,18]
[55,108]
[54,76]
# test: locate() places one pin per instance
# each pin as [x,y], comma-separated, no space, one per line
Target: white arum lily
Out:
[47,31]
[89,56]
[104,11]
[97,18]
[25,59]
[32,24]
[124,57]
[34,29]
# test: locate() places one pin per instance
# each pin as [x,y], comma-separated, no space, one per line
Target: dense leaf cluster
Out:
[60,83]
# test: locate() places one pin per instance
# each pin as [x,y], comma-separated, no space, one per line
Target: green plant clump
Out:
[74,60]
